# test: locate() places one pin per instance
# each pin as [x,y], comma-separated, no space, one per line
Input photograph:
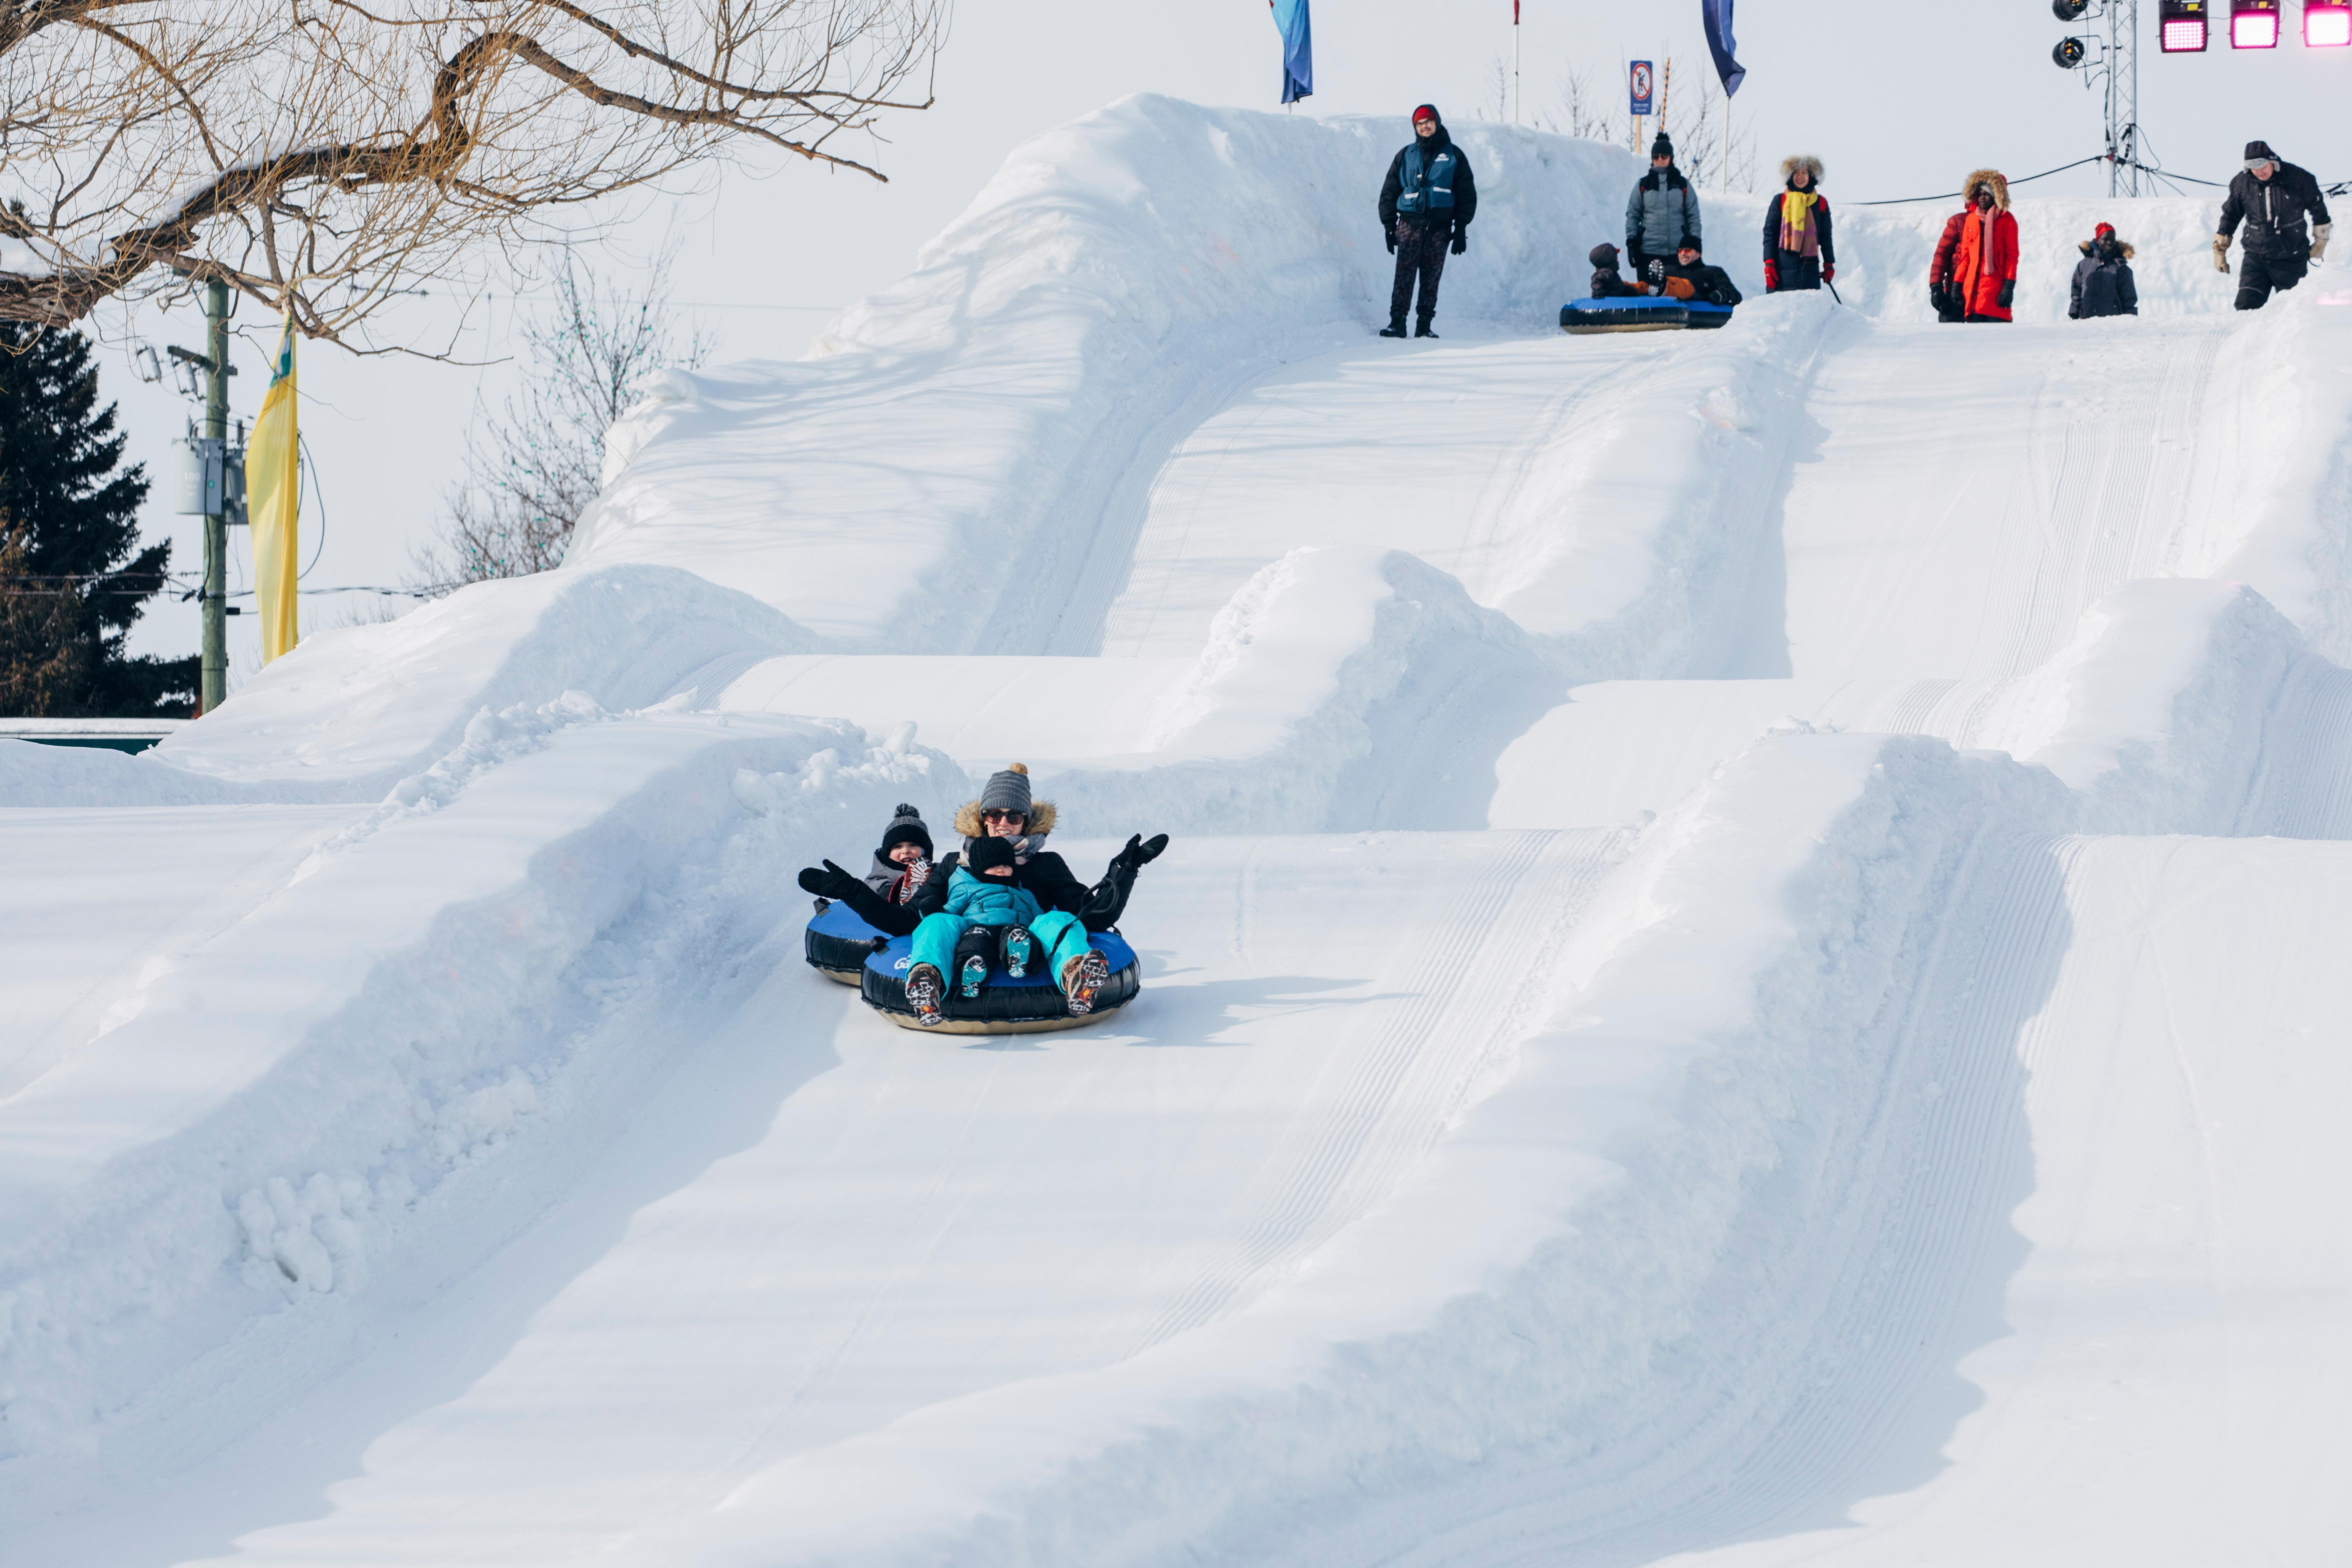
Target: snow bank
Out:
[33,774]
[2185,705]
[354,708]
[2272,491]
[1117,276]
[1340,689]
[387,1057]
[1635,1256]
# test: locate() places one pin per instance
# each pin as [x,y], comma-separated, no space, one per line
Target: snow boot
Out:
[1016,951]
[1083,977]
[923,996]
[1421,331]
[1395,329]
[975,976]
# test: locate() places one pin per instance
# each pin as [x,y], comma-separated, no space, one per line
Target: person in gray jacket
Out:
[1662,209]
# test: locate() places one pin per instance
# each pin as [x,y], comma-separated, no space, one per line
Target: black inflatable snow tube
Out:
[1633,313]
[1702,317]
[838,943]
[1030,1004]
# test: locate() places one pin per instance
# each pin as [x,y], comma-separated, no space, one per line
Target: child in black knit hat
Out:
[903,864]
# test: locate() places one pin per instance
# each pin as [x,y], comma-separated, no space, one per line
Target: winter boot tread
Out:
[923,996]
[1082,976]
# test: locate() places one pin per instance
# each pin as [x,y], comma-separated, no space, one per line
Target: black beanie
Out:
[1689,242]
[986,853]
[1604,257]
[906,827]
[1662,147]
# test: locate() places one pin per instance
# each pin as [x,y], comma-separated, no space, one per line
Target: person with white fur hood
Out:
[1799,249]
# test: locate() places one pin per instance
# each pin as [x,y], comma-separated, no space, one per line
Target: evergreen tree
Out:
[74,570]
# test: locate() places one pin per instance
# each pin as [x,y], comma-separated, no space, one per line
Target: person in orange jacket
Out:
[1984,263]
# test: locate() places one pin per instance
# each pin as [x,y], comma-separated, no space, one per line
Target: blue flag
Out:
[1719,44]
[1298,49]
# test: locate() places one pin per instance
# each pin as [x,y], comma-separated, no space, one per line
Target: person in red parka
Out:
[1984,263]
[1941,291]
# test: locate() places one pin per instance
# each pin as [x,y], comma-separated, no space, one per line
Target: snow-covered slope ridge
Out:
[1118,275]
[1636,1259]
[432,994]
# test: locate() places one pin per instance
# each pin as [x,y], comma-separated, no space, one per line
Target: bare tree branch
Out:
[314,153]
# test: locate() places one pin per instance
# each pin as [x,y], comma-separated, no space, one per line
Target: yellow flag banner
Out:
[273,492]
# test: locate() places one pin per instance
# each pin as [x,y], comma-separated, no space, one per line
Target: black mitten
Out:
[1148,850]
[812,880]
[2008,293]
[1389,235]
[1461,241]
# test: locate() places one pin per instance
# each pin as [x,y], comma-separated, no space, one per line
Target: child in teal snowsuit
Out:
[990,900]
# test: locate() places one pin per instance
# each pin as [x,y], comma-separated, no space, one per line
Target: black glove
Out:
[827,883]
[1389,234]
[1138,853]
[2008,292]
[1935,297]
[1461,241]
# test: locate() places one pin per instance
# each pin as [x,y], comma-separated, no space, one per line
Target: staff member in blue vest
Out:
[1428,200]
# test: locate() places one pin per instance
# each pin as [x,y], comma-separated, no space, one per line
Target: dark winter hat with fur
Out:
[986,853]
[906,827]
[1662,147]
[1603,257]
[2260,152]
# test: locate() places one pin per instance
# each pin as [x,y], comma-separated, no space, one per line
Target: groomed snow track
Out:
[1746,975]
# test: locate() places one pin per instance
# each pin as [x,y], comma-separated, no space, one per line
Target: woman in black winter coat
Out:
[2103,278]
[1799,252]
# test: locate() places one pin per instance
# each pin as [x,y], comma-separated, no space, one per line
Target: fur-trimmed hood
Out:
[1992,177]
[2122,249]
[1805,160]
[1041,818]
[1041,823]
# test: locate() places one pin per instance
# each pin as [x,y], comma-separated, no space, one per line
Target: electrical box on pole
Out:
[198,477]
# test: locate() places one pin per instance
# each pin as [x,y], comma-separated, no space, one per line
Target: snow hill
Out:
[1748,975]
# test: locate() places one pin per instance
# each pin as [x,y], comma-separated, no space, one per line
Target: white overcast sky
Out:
[1898,99]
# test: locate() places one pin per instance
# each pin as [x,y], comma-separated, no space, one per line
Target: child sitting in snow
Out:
[902,866]
[1607,284]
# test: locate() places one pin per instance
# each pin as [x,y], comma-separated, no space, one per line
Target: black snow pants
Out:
[2257,275]
[1421,253]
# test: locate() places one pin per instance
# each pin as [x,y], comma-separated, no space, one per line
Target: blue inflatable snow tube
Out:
[1625,313]
[845,948]
[1640,313]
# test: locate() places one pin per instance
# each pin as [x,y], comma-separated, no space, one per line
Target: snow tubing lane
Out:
[838,942]
[1029,1005]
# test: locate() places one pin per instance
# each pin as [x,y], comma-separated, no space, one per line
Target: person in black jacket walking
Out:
[1426,205]
[2103,278]
[2271,197]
